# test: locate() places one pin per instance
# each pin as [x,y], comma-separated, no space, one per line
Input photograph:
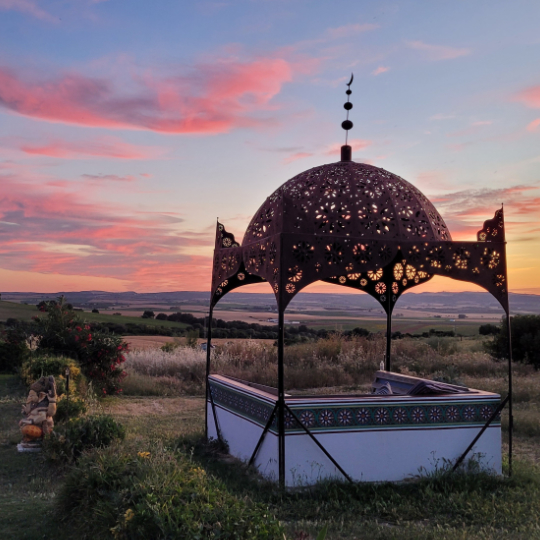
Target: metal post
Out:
[281,398]
[510,416]
[509,330]
[208,352]
[388,328]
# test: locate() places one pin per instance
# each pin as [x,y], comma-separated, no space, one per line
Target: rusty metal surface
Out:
[357,226]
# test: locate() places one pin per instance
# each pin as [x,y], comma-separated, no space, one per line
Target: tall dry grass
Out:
[327,363]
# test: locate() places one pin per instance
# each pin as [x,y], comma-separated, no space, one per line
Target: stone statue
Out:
[39,410]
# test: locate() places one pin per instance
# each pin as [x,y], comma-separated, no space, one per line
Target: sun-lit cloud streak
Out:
[465,211]
[533,126]
[28,7]
[297,156]
[380,70]
[108,177]
[103,147]
[437,52]
[46,227]
[211,98]
[529,97]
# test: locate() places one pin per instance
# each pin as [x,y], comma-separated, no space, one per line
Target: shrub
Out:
[69,408]
[157,495]
[99,353]
[95,310]
[71,439]
[488,329]
[13,349]
[100,356]
[148,314]
[37,366]
[192,338]
[161,316]
[170,346]
[525,340]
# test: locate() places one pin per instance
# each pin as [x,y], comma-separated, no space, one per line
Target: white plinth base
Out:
[22,448]
[372,438]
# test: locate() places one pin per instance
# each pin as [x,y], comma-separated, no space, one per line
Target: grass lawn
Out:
[158,413]
[451,508]
[25,313]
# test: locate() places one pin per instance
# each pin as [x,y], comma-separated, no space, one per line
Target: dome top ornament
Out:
[346,150]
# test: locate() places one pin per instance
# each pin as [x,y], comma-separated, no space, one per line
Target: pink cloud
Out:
[379,70]
[53,227]
[533,126]
[28,7]
[355,144]
[298,155]
[108,177]
[437,52]
[530,97]
[213,98]
[108,147]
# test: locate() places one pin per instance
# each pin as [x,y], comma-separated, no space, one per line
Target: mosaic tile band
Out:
[359,416]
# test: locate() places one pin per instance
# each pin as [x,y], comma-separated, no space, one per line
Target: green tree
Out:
[525,340]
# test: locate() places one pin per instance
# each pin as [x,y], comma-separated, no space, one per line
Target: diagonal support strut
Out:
[326,453]
[481,432]
[261,439]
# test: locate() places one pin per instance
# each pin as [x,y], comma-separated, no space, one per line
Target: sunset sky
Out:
[127,128]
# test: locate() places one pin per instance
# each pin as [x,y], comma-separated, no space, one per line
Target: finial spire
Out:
[346,150]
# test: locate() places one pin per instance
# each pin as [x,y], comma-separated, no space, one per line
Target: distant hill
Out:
[469,302]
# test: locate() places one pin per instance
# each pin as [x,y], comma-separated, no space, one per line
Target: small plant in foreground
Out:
[70,440]
[68,408]
[46,364]
[158,495]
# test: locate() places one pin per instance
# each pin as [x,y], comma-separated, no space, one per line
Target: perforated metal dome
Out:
[348,199]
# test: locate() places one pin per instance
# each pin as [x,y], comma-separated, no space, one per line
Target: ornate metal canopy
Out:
[357,226]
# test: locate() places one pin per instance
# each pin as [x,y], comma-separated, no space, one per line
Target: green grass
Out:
[440,506]
[17,311]
[25,313]
[27,485]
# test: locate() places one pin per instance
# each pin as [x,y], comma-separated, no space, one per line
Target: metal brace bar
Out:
[266,428]
[218,431]
[326,453]
[480,433]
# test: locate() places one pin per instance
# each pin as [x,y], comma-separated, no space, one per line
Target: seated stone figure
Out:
[39,410]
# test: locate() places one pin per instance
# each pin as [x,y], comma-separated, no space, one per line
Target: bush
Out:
[69,408]
[192,339]
[71,439]
[488,329]
[37,366]
[161,317]
[157,495]
[525,340]
[95,310]
[99,353]
[148,314]
[13,349]
[170,346]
